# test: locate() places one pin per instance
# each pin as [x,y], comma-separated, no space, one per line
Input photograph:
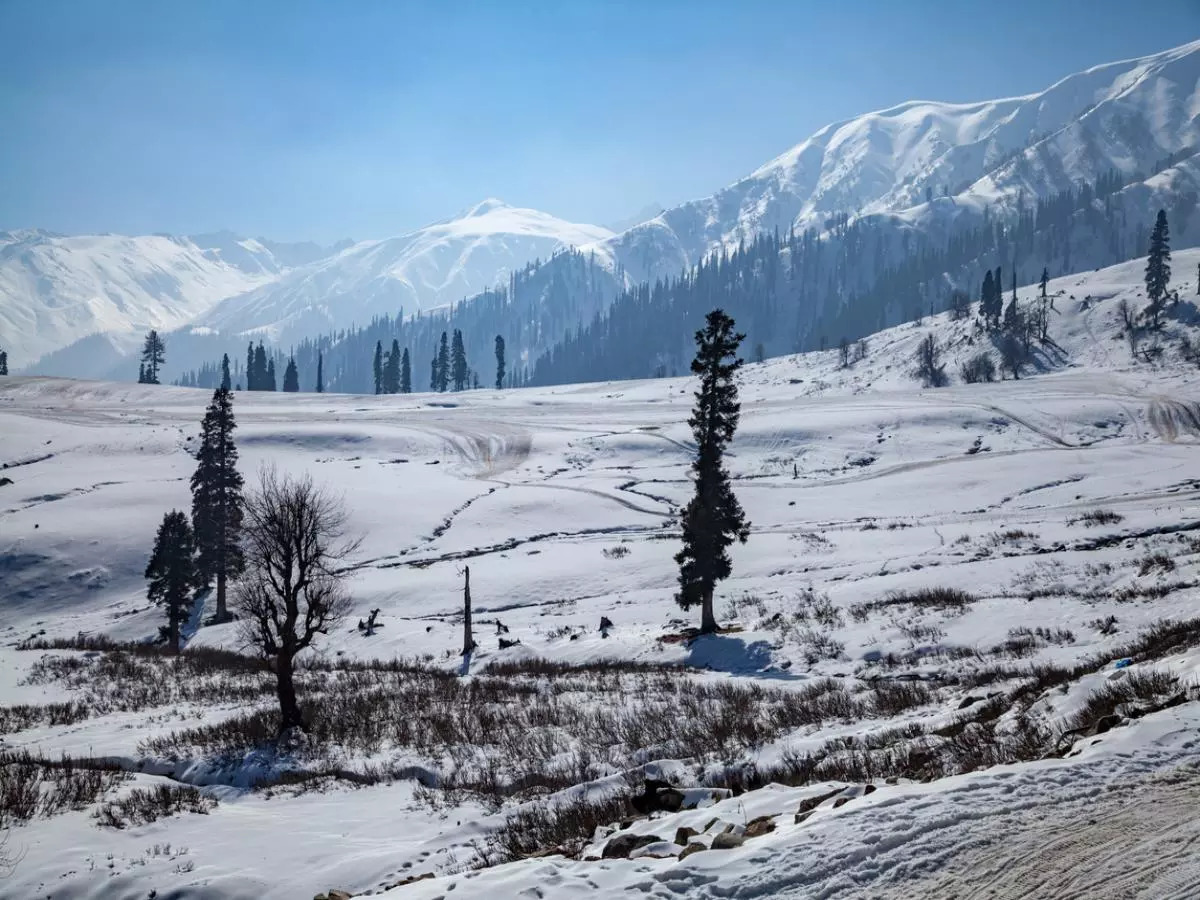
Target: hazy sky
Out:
[321,120]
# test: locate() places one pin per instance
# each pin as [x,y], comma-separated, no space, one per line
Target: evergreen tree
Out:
[499,362]
[377,367]
[270,384]
[226,381]
[1158,269]
[714,518]
[251,382]
[3,362]
[264,376]
[405,373]
[141,373]
[1012,316]
[986,298]
[320,373]
[443,364]
[217,499]
[391,375]
[1044,283]
[172,573]
[291,378]
[154,354]
[433,372]
[458,362]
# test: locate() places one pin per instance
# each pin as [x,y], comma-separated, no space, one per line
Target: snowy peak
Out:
[483,208]
[424,269]
[1121,116]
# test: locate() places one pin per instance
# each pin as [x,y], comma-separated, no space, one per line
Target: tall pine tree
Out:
[217,499]
[714,518]
[320,373]
[405,373]
[226,381]
[1158,269]
[154,354]
[291,377]
[251,369]
[3,362]
[499,362]
[443,364]
[269,381]
[264,375]
[172,574]
[377,367]
[391,375]
[459,371]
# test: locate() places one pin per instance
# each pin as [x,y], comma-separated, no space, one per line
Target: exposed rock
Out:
[684,835]
[809,804]
[670,799]
[760,826]
[694,847]
[605,623]
[657,850]
[727,841]
[658,795]
[623,844]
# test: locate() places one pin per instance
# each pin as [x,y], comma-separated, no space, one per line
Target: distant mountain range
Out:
[911,178]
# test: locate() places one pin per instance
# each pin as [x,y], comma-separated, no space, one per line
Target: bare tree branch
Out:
[295,544]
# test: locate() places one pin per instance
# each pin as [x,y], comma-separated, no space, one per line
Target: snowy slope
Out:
[857,481]
[57,289]
[1122,115]
[429,268]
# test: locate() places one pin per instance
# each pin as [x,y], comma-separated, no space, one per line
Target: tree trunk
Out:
[708,622]
[222,612]
[289,710]
[468,640]
[173,636]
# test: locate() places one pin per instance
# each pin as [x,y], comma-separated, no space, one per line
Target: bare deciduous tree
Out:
[930,368]
[468,638]
[295,540]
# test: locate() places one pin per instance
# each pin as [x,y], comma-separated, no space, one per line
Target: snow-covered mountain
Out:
[931,162]
[57,289]
[911,177]
[424,269]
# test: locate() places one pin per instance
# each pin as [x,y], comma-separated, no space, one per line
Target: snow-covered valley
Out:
[937,586]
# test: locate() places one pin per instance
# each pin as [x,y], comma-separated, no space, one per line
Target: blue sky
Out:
[321,120]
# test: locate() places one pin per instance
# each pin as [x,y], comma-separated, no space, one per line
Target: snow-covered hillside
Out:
[932,162]
[56,289]
[1061,506]
[425,269]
